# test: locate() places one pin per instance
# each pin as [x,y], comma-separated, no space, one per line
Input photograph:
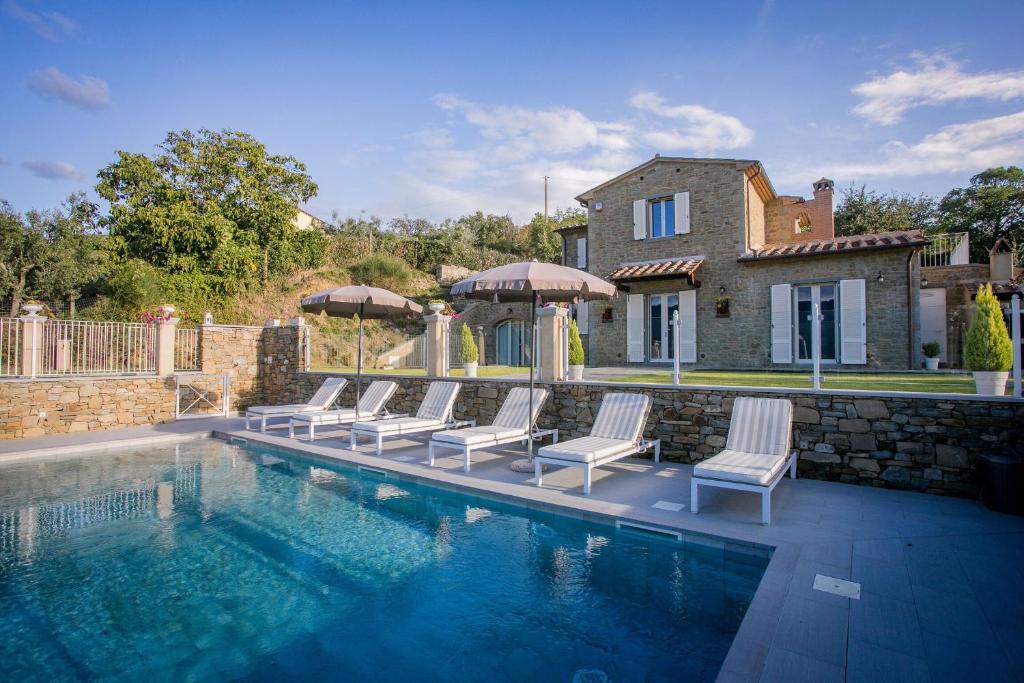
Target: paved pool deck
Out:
[941,579]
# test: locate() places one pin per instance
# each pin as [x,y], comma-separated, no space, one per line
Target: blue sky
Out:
[439,109]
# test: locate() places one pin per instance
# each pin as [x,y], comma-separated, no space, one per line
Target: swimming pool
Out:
[207,560]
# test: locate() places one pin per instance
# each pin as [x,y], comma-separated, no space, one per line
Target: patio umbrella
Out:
[537,283]
[366,302]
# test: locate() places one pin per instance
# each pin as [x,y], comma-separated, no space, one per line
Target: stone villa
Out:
[744,267]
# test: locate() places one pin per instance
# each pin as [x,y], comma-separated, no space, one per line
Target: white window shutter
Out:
[583,317]
[852,322]
[640,219]
[682,204]
[635,328]
[687,326]
[581,252]
[782,323]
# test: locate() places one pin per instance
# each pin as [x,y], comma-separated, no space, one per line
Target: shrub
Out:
[382,270]
[576,356]
[133,286]
[988,344]
[931,349]
[470,354]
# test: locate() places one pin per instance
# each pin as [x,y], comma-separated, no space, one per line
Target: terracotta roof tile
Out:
[852,243]
[661,268]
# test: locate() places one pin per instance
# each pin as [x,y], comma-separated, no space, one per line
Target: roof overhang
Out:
[660,269]
[739,164]
[854,244]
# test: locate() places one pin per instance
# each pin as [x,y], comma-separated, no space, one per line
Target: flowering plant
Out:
[152,318]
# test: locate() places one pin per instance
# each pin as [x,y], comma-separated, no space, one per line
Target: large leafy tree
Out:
[990,208]
[23,250]
[215,202]
[862,211]
[77,253]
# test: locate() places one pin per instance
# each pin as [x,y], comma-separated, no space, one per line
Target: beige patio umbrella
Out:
[538,283]
[367,303]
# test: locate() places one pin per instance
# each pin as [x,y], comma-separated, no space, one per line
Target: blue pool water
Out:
[209,561]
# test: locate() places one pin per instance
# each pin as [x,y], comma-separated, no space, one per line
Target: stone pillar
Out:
[166,330]
[551,342]
[436,340]
[481,345]
[32,344]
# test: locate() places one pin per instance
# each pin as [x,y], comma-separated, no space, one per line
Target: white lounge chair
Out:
[756,455]
[617,432]
[510,426]
[435,413]
[324,397]
[371,407]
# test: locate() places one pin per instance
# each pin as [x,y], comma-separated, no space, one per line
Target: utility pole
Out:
[546,201]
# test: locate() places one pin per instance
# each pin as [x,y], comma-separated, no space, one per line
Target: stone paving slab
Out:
[942,580]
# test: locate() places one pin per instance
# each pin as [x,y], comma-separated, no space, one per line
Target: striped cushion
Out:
[279,410]
[398,425]
[328,392]
[622,416]
[376,395]
[761,425]
[478,436]
[517,404]
[585,449]
[326,417]
[745,468]
[437,404]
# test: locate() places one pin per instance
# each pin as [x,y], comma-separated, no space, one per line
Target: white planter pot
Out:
[31,310]
[470,369]
[575,373]
[931,363]
[436,308]
[991,383]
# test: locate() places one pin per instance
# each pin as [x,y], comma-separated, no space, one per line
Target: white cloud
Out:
[53,170]
[952,149]
[701,129]
[494,157]
[89,93]
[50,25]
[934,79]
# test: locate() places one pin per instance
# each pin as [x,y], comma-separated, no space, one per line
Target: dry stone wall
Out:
[919,443]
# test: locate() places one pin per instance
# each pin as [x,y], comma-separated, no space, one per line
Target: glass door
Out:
[509,342]
[825,296]
[661,338]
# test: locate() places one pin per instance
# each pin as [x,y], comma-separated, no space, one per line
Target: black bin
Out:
[1001,479]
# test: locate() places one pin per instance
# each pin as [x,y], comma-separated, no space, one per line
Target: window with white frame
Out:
[662,217]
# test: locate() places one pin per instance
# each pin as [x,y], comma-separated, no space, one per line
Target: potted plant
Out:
[931,351]
[31,307]
[722,306]
[576,357]
[436,305]
[470,354]
[989,352]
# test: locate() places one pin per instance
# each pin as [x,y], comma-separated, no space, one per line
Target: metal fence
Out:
[335,352]
[186,349]
[455,347]
[82,347]
[951,249]
[10,346]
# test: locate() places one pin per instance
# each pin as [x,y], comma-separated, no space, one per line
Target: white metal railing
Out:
[333,352]
[10,346]
[455,346]
[949,249]
[186,349]
[81,347]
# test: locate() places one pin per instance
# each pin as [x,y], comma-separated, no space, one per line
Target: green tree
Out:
[470,354]
[77,253]
[861,211]
[23,249]
[988,347]
[576,356]
[990,208]
[541,241]
[213,202]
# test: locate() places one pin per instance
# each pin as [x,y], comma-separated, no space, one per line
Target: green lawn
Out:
[937,383]
[482,371]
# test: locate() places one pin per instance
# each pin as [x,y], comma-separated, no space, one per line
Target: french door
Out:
[660,308]
[509,336]
[804,299]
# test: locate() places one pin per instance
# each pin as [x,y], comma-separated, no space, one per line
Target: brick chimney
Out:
[819,209]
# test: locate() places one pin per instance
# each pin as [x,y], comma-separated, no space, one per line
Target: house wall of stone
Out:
[904,442]
[487,315]
[717,218]
[756,217]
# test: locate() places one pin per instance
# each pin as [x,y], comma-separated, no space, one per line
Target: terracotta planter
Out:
[575,373]
[931,363]
[991,383]
[470,369]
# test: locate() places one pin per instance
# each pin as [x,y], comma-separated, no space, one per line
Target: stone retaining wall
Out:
[920,443]
[61,405]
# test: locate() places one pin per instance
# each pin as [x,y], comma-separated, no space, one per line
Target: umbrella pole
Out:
[359,359]
[526,464]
